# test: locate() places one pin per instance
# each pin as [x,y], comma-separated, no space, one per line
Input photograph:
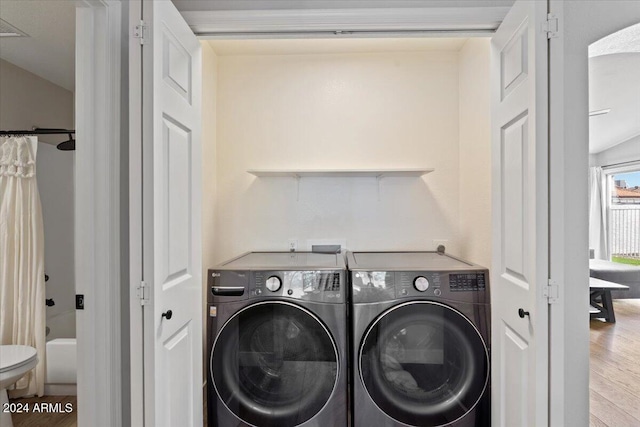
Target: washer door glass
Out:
[274,364]
[424,363]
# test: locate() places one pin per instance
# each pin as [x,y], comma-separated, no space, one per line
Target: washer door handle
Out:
[227,291]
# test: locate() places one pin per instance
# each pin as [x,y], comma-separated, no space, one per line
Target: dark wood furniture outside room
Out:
[600,298]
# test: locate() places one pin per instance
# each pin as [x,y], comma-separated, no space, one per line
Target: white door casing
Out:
[171,194]
[520,217]
[97,207]
[171,205]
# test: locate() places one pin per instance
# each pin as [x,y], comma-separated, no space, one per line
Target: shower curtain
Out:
[22,293]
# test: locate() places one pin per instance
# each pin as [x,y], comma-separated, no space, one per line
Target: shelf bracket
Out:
[378,178]
[297,177]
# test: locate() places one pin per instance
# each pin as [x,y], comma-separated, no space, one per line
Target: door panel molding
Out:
[166,73]
[520,110]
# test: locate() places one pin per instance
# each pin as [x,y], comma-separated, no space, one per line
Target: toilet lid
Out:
[12,356]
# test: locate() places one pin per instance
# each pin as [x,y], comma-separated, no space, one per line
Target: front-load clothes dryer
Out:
[420,325]
[277,341]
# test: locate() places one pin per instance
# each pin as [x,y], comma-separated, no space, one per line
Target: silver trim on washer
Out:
[395,307]
[316,318]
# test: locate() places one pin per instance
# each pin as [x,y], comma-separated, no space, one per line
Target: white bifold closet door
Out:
[520,120]
[169,66]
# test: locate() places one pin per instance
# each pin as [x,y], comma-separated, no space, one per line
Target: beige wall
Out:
[475,152]
[374,110]
[27,100]
[209,187]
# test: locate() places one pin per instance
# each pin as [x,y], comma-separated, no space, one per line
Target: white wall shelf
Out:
[340,173]
[330,173]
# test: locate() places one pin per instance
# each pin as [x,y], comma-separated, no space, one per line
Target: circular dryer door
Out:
[274,364]
[424,363]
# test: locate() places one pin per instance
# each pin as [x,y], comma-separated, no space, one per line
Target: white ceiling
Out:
[626,40]
[614,82]
[319,46]
[49,51]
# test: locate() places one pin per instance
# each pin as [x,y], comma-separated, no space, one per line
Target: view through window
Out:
[624,236]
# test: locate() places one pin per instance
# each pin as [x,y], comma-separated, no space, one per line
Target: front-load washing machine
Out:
[277,341]
[421,332]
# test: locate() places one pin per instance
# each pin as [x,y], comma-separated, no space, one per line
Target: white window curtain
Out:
[22,293]
[598,213]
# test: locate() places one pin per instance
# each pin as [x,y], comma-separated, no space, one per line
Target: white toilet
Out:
[15,361]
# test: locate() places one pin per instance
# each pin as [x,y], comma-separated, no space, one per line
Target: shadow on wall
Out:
[403,213]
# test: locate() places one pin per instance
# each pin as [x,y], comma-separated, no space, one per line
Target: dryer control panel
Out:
[416,283]
[375,286]
[460,282]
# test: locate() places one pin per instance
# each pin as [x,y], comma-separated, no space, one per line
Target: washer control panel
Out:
[313,285]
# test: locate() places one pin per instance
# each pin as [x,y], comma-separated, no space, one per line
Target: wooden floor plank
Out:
[621,397]
[629,348]
[614,386]
[608,413]
[615,330]
[49,419]
[596,422]
[622,372]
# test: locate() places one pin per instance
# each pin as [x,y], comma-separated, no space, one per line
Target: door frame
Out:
[580,24]
[136,292]
[100,252]
[98,207]
[361,22]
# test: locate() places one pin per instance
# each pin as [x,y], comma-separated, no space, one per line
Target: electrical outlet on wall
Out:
[293,245]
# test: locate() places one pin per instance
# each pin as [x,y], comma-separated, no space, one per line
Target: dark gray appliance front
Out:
[277,352]
[420,352]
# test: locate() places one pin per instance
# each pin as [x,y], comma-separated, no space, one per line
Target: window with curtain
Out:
[624,217]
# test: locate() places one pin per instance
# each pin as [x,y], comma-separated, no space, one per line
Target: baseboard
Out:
[60,390]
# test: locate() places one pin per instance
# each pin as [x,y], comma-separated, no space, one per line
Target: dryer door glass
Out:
[274,364]
[424,363]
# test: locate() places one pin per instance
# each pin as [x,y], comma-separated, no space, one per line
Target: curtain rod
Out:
[39,131]
[613,165]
